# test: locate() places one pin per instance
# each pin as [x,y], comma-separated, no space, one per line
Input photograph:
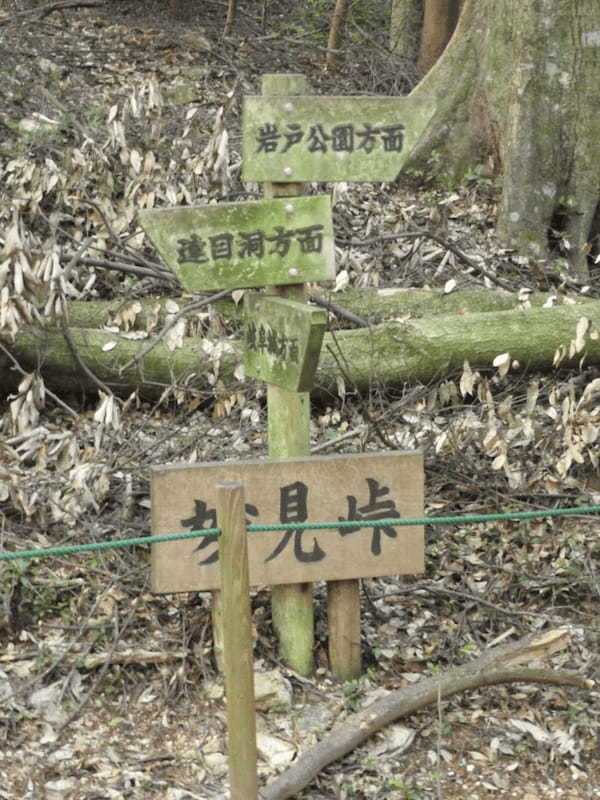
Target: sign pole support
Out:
[237,641]
[289,436]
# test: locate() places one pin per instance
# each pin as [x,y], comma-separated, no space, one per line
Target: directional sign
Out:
[255,243]
[364,487]
[307,138]
[282,340]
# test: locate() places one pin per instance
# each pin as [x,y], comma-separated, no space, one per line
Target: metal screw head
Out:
[287,171]
[293,272]
[289,208]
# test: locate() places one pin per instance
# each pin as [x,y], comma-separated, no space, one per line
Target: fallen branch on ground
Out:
[497,665]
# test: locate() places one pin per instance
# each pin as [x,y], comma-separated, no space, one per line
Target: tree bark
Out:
[393,353]
[230,19]
[374,305]
[518,89]
[439,20]
[495,666]
[336,32]
[406,18]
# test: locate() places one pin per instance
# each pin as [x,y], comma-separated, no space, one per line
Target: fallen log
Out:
[373,305]
[416,350]
[495,666]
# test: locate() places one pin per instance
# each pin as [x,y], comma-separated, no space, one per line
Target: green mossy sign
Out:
[282,340]
[307,138]
[250,244]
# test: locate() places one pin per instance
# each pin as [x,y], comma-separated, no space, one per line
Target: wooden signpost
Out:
[282,340]
[238,663]
[255,243]
[309,138]
[361,487]
[284,242]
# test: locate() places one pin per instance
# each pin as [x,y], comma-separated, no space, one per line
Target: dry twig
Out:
[193,306]
[496,665]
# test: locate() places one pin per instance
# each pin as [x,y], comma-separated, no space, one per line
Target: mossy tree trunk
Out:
[518,89]
[417,350]
[406,20]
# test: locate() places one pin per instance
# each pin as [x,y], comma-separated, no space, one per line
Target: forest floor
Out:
[110,691]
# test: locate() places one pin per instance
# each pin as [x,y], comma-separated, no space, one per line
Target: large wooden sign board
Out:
[237,245]
[319,489]
[282,340]
[308,138]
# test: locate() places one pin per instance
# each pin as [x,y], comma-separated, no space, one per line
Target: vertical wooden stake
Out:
[343,622]
[289,435]
[217,628]
[237,641]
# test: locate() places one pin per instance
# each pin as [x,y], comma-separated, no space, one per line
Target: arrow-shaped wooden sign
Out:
[308,138]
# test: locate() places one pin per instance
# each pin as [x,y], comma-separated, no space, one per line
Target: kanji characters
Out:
[252,243]
[282,240]
[221,246]
[293,508]
[268,138]
[277,343]
[227,245]
[192,249]
[341,138]
[375,508]
[205,517]
[310,238]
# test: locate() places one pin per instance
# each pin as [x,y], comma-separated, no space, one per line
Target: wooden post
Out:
[237,641]
[289,435]
[343,623]
[217,628]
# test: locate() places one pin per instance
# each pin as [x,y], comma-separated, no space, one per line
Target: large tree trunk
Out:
[393,353]
[518,87]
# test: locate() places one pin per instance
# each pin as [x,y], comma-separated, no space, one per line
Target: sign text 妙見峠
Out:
[357,488]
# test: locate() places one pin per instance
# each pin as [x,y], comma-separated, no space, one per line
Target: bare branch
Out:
[496,665]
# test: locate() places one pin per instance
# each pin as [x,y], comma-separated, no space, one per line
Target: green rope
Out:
[294,526]
[396,523]
[106,545]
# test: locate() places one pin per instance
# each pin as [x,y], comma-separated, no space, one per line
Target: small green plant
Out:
[466,649]
[353,692]
[406,791]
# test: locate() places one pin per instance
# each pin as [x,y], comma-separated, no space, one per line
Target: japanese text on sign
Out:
[311,138]
[261,336]
[282,340]
[337,138]
[354,489]
[242,245]
[249,244]
[293,507]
